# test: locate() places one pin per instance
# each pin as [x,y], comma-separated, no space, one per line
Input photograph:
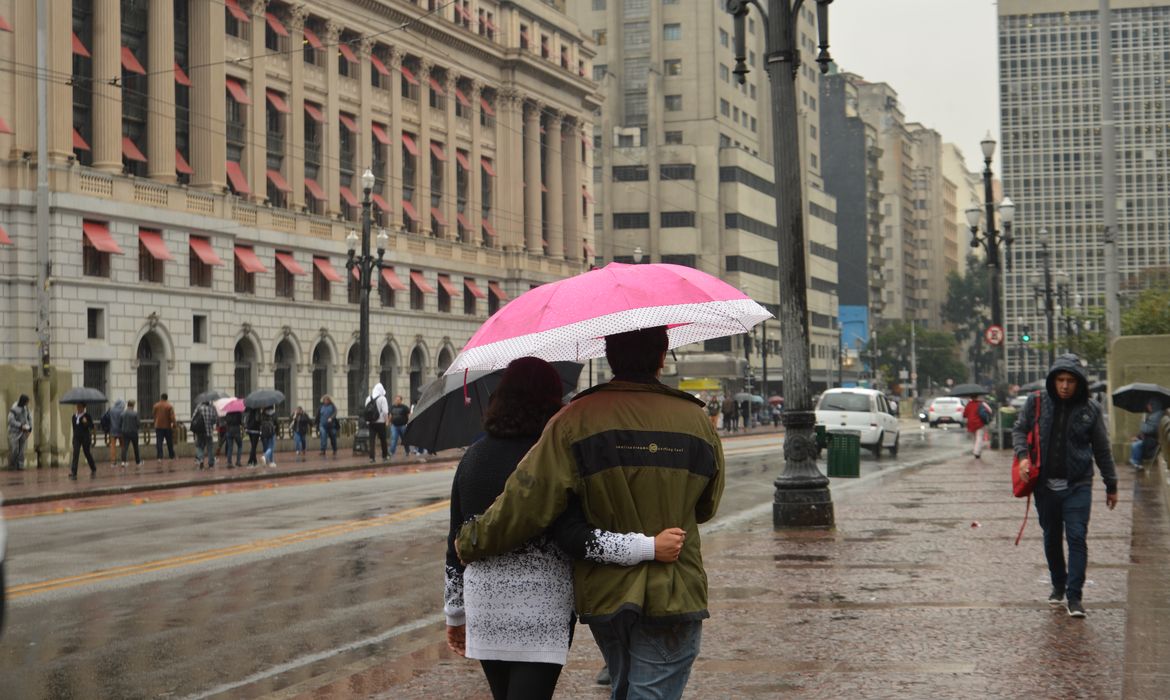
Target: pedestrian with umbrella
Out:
[202,425]
[82,426]
[232,410]
[1145,443]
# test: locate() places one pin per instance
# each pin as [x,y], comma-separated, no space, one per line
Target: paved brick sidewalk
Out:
[918,593]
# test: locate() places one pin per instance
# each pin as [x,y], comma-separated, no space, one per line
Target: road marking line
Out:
[335,530]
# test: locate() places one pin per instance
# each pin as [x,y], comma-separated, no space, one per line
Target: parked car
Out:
[1018,402]
[865,411]
[945,409]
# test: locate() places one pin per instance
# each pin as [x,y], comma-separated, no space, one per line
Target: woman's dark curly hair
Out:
[528,395]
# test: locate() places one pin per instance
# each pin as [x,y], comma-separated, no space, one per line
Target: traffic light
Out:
[1025,334]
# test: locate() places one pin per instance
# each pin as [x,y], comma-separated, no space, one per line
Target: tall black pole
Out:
[1048,310]
[802,498]
[992,235]
[364,307]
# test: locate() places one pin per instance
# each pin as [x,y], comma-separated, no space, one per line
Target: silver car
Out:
[865,411]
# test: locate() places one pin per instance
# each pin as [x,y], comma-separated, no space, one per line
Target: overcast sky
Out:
[939,55]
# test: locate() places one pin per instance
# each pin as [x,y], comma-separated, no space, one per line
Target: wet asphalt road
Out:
[270,593]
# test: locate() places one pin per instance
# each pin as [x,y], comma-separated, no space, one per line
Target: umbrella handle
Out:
[466,398]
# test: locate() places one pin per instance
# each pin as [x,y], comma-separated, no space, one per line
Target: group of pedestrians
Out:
[385,422]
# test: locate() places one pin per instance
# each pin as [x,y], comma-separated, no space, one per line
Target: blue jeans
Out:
[205,444]
[298,442]
[269,446]
[327,436]
[644,660]
[396,433]
[1140,450]
[1065,515]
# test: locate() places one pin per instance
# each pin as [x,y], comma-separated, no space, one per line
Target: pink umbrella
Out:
[569,319]
[229,405]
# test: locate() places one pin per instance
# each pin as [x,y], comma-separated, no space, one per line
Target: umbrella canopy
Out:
[442,419]
[229,404]
[83,394]
[569,319]
[1033,386]
[1134,397]
[775,400]
[208,396]
[263,398]
[1098,386]
[968,390]
[742,396]
[756,398]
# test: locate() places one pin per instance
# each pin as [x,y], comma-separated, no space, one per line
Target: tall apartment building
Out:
[205,163]
[968,193]
[936,225]
[1051,145]
[684,168]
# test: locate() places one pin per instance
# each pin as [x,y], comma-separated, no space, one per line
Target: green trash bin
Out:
[845,454]
[822,438]
[1000,430]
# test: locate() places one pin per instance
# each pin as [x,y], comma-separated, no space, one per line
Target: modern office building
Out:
[684,169]
[204,167]
[1050,99]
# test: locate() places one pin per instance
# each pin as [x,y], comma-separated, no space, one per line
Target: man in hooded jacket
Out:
[378,427]
[1072,436]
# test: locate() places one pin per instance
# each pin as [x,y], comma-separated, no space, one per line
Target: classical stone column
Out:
[587,214]
[475,177]
[555,215]
[295,23]
[256,134]
[509,205]
[160,119]
[423,191]
[60,58]
[450,203]
[331,141]
[394,161]
[208,98]
[532,182]
[365,150]
[107,96]
[571,167]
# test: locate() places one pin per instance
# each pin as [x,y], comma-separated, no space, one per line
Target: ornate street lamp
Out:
[366,265]
[1042,288]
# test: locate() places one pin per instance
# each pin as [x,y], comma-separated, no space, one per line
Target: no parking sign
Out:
[993,335]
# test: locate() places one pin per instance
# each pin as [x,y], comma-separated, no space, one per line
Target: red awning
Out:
[408,141]
[495,289]
[380,133]
[347,51]
[392,279]
[408,209]
[79,143]
[417,278]
[451,289]
[277,101]
[275,24]
[181,75]
[408,75]
[288,262]
[155,244]
[462,158]
[438,216]
[543,187]
[436,85]
[437,149]
[357,275]
[5,27]
[486,106]
[203,250]
[589,254]
[379,201]
[588,195]
[463,220]
[78,47]
[181,164]
[586,141]
[486,163]
[237,12]
[130,62]
[278,181]
[314,189]
[246,257]
[326,269]
[4,128]
[490,24]
[379,65]
[349,197]
[314,112]
[4,237]
[98,235]
[462,12]
[487,228]
[237,178]
[239,94]
[130,150]
[311,38]
[473,288]
[462,98]
[348,122]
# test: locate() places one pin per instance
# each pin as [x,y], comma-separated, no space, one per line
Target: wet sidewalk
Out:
[917,593]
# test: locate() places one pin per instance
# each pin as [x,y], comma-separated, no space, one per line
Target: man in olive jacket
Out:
[641,457]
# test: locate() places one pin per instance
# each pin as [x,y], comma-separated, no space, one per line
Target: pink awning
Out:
[348,122]
[379,201]
[417,278]
[486,163]
[347,51]
[379,65]
[462,98]
[463,220]
[462,11]
[349,197]
[408,209]
[278,181]
[237,178]
[98,235]
[288,262]
[239,94]
[204,251]
[130,62]
[248,260]
[356,273]
[488,229]
[326,269]
[78,47]
[486,106]
[314,189]
[437,149]
[473,288]
[275,24]
[181,75]
[79,143]
[130,150]
[237,12]
[311,38]
[408,141]
[451,289]
[277,101]
[438,216]
[392,279]
[499,292]
[408,75]
[4,128]
[181,164]
[380,133]
[587,194]
[436,85]
[462,158]
[4,237]
[155,244]
[314,112]
[5,27]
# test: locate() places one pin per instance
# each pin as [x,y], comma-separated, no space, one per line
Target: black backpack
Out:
[198,423]
[371,414]
[105,422]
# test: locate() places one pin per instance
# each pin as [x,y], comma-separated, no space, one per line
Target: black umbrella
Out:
[83,394]
[442,419]
[1098,386]
[1134,397]
[263,398]
[209,396]
[1033,386]
[968,390]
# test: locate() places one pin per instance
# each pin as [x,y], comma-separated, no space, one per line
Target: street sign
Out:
[993,335]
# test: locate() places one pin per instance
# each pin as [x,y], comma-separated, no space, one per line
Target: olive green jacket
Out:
[641,457]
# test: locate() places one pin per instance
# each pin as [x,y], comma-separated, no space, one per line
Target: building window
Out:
[236,22]
[724,73]
[322,290]
[245,281]
[150,268]
[417,296]
[671,32]
[724,141]
[469,297]
[96,375]
[598,5]
[599,72]
[598,38]
[286,281]
[630,173]
[631,220]
[95,324]
[385,292]
[199,328]
[199,272]
[725,108]
[723,38]
[94,263]
[353,289]
[676,172]
[754,125]
[673,103]
[753,91]
[674,137]
[677,219]
[672,66]
[444,298]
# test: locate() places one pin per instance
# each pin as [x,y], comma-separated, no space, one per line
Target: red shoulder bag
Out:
[1022,487]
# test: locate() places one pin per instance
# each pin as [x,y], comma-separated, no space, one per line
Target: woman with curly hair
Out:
[514,612]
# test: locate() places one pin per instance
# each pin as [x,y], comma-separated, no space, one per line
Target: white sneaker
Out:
[263,460]
[272,464]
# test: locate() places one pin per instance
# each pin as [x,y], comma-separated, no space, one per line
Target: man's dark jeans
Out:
[1065,514]
[167,434]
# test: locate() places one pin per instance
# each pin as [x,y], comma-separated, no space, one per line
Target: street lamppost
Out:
[802,497]
[1042,288]
[990,240]
[365,264]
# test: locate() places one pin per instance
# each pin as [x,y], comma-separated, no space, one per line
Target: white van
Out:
[865,411]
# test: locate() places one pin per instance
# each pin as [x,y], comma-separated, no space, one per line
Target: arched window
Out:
[150,357]
[284,372]
[245,367]
[417,365]
[354,382]
[322,371]
[388,371]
